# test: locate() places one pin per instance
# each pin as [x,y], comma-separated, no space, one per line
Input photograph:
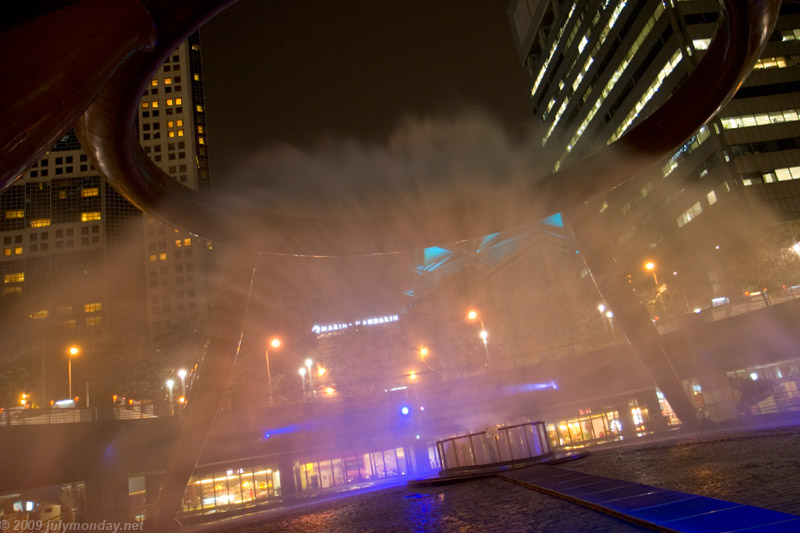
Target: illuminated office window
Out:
[40,314]
[689,215]
[790,35]
[760,119]
[89,216]
[87,192]
[163,256]
[93,320]
[92,307]
[665,71]
[18,250]
[167,81]
[40,223]
[773,62]
[16,277]
[154,104]
[16,213]
[179,101]
[153,83]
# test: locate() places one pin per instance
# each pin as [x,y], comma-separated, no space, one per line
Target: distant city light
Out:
[417,437]
[405,410]
[754,376]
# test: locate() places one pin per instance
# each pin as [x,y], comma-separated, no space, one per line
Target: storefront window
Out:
[352,469]
[326,474]
[248,490]
[380,467]
[338,472]
[401,461]
[220,488]
[390,460]
[261,484]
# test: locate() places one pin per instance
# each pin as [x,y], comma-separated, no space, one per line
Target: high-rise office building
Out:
[599,66]
[82,266]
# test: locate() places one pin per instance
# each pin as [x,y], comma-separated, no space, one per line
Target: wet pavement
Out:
[484,505]
[760,468]
[755,468]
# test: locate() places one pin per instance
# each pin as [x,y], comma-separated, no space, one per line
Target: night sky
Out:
[302,72]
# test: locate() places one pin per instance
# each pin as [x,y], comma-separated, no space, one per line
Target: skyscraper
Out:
[599,66]
[82,266]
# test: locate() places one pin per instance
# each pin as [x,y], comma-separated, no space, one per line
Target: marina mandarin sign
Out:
[329,328]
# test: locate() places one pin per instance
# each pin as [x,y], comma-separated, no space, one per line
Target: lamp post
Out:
[170,383]
[302,372]
[72,352]
[650,266]
[274,343]
[484,335]
[182,375]
[309,362]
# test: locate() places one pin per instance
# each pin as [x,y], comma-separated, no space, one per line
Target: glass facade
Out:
[221,489]
[352,469]
[585,429]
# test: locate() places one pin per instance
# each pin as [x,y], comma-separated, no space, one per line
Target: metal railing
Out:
[495,445]
[735,307]
[27,417]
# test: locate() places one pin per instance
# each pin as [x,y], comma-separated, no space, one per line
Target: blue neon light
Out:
[553,220]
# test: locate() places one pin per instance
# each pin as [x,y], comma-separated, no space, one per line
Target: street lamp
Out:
[72,352]
[274,343]
[182,375]
[650,266]
[484,335]
[170,383]
[309,362]
[303,379]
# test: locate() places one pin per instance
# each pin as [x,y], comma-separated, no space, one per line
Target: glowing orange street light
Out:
[423,352]
[274,343]
[650,266]
[72,352]
[484,335]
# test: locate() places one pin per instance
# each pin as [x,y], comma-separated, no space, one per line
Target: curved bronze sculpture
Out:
[128,43]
